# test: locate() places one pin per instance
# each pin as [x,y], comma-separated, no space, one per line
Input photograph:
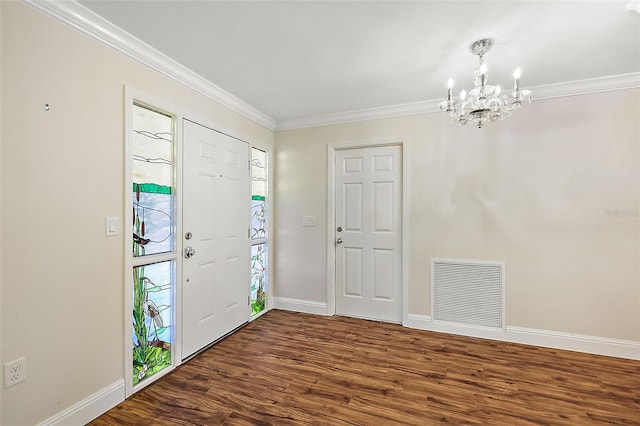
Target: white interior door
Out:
[368,194]
[216,206]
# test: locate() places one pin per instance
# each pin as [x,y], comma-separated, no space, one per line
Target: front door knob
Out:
[189,252]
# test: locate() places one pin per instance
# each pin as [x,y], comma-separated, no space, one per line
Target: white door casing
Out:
[368,253]
[215,280]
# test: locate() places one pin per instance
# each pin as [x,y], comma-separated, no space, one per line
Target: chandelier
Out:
[484,102]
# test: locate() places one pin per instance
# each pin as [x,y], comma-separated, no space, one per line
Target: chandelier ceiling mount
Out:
[482,46]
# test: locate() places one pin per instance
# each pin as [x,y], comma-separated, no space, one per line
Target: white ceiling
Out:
[292,59]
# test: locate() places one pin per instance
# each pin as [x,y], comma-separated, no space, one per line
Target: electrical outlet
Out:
[15,372]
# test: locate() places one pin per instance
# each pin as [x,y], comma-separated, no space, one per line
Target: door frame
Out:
[269,149]
[179,113]
[331,216]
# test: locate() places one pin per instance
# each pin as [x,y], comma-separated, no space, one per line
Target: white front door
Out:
[368,198]
[215,272]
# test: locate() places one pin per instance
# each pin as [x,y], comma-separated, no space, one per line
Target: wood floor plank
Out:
[288,368]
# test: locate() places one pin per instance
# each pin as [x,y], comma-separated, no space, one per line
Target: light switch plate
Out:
[111,226]
[308,221]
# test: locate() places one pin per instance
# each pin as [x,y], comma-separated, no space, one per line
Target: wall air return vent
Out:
[468,292]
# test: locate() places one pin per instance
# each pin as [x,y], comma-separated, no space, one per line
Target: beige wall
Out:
[62,173]
[554,191]
[538,191]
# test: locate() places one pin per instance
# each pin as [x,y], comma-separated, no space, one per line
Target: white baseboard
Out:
[299,305]
[550,339]
[89,408]
[417,321]
[575,342]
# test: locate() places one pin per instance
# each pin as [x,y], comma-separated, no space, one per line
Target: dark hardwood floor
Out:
[287,369]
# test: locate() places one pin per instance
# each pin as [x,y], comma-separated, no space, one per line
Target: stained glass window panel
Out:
[152,318]
[257,217]
[152,168]
[258,278]
[258,193]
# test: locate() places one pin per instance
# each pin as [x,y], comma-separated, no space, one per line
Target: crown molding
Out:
[83,19]
[547,91]
[360,115]
[586,86]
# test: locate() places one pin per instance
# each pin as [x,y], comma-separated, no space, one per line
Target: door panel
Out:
[383,206]
[216,213]
[206,277]
[353,206]
[383,274]
[353,272]
[368,194]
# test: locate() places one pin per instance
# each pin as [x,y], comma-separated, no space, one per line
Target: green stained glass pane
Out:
[152,318]
[258,277]
[152,166]
[151,188]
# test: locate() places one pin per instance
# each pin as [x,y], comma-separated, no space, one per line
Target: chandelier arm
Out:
[509,108]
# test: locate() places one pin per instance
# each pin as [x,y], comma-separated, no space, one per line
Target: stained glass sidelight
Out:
[258,230]
[153,279]
[151,318]
[258,193]
[152,155]
[258,277]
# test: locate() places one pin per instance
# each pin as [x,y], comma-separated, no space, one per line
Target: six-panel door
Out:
[368,194]
[216,214]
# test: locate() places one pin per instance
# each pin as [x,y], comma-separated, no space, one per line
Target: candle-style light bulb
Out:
[450,83]
[463,95]
[517,72]
[483,74]
[498,90]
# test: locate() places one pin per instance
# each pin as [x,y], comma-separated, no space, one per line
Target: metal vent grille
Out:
[468,292]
